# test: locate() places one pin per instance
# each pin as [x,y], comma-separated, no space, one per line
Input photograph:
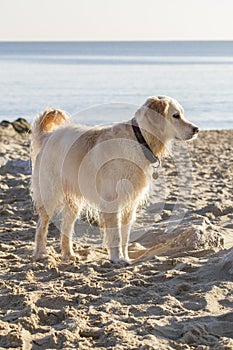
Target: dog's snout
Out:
[195,130]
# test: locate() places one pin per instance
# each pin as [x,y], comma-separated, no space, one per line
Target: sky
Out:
[48,20]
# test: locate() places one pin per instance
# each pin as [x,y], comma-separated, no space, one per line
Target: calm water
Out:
[77,76]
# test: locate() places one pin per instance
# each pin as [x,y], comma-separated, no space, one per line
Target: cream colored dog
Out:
[105,169]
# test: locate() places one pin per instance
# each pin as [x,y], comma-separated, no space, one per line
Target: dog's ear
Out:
[160,106]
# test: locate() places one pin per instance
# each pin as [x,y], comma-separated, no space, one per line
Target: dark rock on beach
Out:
[20,125]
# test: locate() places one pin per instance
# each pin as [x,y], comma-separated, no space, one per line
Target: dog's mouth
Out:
[186,138]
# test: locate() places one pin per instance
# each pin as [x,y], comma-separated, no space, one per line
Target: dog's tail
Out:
[44,124]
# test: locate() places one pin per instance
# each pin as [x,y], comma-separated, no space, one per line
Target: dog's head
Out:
[164,117]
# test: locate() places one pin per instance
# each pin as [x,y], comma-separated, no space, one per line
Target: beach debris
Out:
[195,232]
[15,166]
[20,125]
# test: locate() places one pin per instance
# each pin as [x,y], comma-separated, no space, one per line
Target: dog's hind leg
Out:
[126,223]
[69,215]
[112,237]
[41,234]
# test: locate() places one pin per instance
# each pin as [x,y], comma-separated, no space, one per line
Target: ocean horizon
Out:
[99,82]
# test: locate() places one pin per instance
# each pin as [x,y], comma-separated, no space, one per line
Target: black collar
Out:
[145,147]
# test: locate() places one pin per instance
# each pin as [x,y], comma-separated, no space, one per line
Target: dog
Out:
[107,169]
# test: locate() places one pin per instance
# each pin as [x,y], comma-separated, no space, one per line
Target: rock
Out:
[16,166]
[21,126]
[6,128]
[5,123]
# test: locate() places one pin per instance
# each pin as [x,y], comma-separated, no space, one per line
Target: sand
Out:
[178,293]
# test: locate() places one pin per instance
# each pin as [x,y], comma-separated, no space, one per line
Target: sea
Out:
[105,82]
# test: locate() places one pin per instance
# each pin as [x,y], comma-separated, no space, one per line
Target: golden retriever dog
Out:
[105,169]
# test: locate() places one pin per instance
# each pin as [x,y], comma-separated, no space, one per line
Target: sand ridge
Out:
[176,295]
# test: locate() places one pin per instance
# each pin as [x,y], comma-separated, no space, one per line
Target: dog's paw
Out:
[40,256]
[121,261]
[69,257]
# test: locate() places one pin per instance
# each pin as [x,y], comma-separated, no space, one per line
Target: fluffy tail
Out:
[45,123]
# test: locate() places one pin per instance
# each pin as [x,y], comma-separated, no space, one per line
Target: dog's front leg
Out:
[112,237]
[127,219]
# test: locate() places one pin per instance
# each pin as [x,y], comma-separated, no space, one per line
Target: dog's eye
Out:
[176,116]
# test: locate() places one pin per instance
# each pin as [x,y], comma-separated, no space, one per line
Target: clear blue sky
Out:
[116,19]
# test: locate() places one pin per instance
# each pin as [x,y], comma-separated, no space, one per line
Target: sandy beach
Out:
[177,294]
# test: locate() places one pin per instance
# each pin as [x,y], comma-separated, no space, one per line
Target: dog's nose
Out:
[195,130]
